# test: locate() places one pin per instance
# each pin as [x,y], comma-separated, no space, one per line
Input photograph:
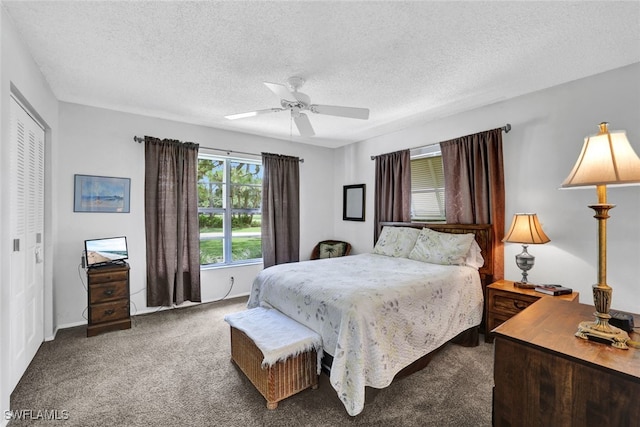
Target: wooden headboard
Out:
[484,237]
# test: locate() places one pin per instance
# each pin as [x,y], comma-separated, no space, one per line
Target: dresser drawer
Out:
[509,303]
[110,291]
[496,319]
[109,276]
[109,311]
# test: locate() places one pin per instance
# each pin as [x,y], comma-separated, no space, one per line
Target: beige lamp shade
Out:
[606,159]
[526,229]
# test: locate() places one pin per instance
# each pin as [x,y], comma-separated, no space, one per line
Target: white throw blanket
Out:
[276,335]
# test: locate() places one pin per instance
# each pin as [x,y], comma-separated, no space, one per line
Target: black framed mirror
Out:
[353,198]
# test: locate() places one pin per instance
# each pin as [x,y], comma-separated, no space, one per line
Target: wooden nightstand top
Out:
[507,285]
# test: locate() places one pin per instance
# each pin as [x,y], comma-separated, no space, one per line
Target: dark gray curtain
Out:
[474,185]
[171,222]
[280,209]
[392,189]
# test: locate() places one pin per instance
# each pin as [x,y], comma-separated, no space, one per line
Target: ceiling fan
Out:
[297,102]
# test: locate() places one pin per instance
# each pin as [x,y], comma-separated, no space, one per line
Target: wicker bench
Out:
[278,355]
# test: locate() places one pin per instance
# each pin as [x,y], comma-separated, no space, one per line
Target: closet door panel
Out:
[27,139]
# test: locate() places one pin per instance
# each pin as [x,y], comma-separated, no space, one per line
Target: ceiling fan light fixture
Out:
[297,102]
[302,98]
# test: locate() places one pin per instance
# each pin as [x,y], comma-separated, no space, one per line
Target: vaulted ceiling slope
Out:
[407,62]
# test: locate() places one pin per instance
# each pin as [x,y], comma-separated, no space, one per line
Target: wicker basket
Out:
[278,381]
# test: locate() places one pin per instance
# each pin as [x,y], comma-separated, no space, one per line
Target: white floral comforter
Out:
[376,314]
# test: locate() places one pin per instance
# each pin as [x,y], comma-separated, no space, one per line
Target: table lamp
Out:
[525,229]
[607,158]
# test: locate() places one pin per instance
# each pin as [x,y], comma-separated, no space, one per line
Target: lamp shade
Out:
[606,159]
[526,229]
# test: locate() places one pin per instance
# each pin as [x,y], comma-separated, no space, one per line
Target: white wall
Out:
[97,141]
[549,127]
[20,75]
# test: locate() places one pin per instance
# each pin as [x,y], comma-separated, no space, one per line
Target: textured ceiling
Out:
[406,61]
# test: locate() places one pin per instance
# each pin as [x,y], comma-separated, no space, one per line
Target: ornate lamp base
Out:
[525,262]
[592,330]
[601,330]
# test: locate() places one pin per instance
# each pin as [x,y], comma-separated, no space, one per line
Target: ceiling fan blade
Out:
[281,91]
[333,110]
[304,125]
[252,113]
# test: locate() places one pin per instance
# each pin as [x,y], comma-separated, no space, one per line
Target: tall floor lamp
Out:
[607,158]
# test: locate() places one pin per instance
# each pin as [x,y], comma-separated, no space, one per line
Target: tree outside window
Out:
[229,210]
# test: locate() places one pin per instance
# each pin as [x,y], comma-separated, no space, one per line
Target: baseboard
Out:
[186,304]
[66,326]
[245,294]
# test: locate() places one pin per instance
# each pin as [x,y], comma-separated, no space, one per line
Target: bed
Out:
[382,314]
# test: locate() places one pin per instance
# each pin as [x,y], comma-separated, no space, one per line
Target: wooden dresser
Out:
[108,299]
[545,376]
[504,301]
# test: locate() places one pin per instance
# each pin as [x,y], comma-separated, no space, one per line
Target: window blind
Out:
[427,189]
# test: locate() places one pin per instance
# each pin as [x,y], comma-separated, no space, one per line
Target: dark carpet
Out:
[173,368]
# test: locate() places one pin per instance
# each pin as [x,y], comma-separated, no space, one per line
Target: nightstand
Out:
[108,299]
[504,301]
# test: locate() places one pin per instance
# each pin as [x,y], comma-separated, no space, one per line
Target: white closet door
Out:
[27,227]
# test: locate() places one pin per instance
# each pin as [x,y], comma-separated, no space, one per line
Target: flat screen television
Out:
[110,250]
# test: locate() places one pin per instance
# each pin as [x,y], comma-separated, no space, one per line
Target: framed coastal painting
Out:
[101,194]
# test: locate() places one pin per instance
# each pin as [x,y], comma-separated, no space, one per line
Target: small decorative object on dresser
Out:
[108,298]
[525,229]
[505,300]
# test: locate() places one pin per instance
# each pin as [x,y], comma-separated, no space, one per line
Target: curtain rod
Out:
[140,140]
[506,128]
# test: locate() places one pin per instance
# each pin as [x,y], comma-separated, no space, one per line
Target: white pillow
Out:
[396,241]
[441,248]
[474,256]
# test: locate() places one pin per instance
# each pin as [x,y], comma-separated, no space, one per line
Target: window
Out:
[229,210]
[427,185]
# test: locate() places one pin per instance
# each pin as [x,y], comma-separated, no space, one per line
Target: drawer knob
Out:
[109,312]
[109,292]
[520,305]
